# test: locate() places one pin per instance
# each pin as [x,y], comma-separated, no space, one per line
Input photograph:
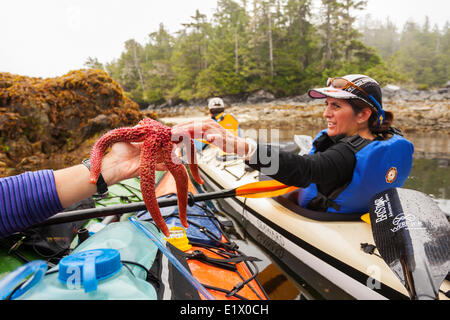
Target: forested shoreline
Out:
[281,46]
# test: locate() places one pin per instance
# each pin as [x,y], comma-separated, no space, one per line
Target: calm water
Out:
[430,174]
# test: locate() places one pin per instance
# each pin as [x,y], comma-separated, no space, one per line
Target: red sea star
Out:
[157,148]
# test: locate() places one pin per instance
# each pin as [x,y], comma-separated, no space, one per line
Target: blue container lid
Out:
[86,268]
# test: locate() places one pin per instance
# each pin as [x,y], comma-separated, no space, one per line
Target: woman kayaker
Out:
[32,197]
[357,156]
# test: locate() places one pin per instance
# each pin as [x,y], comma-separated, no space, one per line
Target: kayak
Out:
[208,258]
[204,249]
[334,254]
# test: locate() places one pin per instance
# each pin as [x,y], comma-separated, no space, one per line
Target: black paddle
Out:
[412,235]
[261,189]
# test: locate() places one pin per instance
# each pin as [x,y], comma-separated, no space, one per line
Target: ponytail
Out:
[384,129]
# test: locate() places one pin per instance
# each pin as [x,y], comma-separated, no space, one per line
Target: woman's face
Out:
[340,117]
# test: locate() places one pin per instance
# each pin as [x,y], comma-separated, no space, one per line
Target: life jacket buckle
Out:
[356,141]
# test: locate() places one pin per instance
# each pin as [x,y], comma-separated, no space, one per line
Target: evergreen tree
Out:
[299,56]
[383,36]
[259,45]
[128,72]
[349,34]
[189,57]
[228,52]
[418,56]
[159,74]
[276,45]
[93,63]
[330,29]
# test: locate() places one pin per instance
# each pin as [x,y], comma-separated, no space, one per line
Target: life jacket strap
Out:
[356,143]
[322,202]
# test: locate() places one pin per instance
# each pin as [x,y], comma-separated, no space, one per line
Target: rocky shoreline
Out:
[53,123]
[414,110]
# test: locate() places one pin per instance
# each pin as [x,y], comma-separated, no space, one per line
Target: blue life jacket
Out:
[380,165]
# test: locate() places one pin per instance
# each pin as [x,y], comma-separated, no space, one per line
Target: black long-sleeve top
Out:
[330,167]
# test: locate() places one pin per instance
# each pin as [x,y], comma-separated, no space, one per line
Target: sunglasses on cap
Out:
[342,84]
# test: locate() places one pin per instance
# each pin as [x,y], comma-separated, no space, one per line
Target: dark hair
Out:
[358,105]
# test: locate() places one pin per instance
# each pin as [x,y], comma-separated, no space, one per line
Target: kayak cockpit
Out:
[287,202]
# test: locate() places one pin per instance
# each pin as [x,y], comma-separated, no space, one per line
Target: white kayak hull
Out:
[325,255]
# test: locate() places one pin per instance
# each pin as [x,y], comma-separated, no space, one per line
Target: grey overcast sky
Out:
[47,38]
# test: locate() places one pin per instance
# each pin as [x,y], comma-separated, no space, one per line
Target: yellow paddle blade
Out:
[264,189]
[366,218]
[270,194]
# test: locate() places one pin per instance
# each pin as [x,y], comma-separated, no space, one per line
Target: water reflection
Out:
[430,146]
[431,176]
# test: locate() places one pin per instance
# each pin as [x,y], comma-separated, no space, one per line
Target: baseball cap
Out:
[215,103]
[353,86]
[366,83]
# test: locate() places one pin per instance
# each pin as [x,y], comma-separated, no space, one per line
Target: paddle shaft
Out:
[119,209]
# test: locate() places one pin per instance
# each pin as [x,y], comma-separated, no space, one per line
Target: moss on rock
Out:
[45,119]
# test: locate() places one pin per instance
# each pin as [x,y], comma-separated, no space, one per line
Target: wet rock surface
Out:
[52,123]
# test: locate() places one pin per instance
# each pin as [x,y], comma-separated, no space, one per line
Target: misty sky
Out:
[47,38]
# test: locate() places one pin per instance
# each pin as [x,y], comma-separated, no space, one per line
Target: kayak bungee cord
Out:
[227,263]
[229,258]
[234,247]
[172,259]
[224,291]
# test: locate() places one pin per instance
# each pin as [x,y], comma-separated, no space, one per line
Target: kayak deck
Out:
[218,280]
[330,249]
[235,281]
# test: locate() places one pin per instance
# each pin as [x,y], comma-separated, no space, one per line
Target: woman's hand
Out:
[212,132]
[121,163]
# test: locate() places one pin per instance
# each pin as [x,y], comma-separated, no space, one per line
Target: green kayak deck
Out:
[126,191]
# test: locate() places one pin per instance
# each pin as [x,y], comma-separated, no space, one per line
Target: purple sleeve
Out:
[27,199]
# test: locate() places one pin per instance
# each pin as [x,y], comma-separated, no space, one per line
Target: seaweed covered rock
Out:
[45,118]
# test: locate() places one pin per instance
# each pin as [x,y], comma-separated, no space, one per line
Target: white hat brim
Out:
[322,93]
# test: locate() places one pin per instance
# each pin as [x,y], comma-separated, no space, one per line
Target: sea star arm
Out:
[192,160]
[180,175]
[147,171]
[136,134]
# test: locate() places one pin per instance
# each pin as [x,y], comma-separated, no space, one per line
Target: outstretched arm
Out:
[122,162]
[32,197]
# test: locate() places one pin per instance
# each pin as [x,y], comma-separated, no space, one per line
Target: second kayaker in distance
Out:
[216,108]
